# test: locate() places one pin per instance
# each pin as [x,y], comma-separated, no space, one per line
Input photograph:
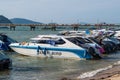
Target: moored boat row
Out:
[69,44]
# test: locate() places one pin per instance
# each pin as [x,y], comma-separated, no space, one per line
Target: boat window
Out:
[60,41]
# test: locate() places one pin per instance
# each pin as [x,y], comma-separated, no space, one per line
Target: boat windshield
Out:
[75,41]
[79,41]
[93,39]
[49,41]
[84,40]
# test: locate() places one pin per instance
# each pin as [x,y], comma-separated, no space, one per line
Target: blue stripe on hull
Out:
[81,53]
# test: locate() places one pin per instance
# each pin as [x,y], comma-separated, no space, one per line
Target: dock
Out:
[54,26]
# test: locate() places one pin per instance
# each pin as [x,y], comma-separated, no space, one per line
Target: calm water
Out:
[33,68]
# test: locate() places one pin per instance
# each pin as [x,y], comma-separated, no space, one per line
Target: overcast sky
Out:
[62,11]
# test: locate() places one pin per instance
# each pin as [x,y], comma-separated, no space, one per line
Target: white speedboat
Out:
[53,46]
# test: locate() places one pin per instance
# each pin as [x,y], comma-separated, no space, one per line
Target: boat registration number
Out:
[50,53]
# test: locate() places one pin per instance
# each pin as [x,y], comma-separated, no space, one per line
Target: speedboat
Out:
[5,41]
[54,46]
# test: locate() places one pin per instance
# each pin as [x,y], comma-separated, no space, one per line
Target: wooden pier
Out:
[54,26]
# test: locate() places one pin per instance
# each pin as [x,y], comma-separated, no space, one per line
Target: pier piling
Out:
[32,27]
[12,27]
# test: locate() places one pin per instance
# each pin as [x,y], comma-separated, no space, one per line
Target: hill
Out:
[23,21]
[3,19]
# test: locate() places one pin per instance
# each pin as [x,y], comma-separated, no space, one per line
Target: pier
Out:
[54,26]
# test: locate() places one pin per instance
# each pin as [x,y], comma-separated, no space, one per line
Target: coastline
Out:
[109,73]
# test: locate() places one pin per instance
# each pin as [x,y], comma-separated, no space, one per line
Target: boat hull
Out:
[52,52]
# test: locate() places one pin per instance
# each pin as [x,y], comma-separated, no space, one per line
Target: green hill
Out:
[3,19]
[23,21]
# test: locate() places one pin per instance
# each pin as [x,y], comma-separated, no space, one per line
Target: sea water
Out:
[35,68]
